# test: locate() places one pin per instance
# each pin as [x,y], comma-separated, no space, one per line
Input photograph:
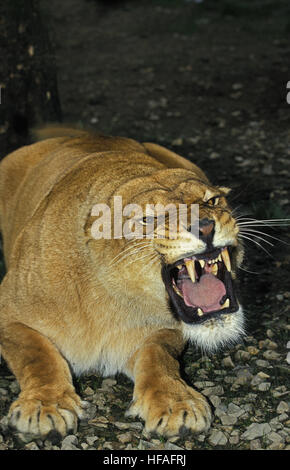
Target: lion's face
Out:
[195,270]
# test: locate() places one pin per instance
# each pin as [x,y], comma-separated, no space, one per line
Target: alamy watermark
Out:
[288,94]
[152,221]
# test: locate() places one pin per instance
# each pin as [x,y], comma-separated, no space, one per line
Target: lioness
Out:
[73,301]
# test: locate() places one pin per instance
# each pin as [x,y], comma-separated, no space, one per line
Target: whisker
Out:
[150,263]
[134,248]
[247,271]
[257,243]
[140,258]
[262,233]
[257,236]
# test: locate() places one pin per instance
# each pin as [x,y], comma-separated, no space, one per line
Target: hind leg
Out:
[47,401]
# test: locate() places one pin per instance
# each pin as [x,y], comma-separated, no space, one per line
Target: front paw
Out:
[37,418]
[171,408]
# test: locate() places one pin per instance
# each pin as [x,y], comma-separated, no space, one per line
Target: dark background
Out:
[208,80]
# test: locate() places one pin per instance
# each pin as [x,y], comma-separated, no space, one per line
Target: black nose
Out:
[206,230]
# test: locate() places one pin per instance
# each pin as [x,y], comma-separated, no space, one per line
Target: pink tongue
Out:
[206,294]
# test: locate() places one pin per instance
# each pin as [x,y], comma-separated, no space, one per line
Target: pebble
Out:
[283,407]
[31,446]
[125,437]
[256,430]
[217,390]
[69,443]
[217,438]
[91,440]
[227,362]
[177,142]
[108,383]
[271,355]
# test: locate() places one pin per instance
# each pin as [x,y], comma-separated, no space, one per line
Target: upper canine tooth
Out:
[226,259]
[190,269]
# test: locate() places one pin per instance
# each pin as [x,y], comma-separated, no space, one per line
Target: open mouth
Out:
[201,287]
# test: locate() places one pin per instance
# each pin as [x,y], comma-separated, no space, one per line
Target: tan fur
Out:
[68,298]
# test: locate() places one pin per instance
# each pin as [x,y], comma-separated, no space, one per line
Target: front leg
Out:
[165,402]
[47,401]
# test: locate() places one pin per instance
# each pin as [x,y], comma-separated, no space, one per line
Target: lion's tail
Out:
[49,131]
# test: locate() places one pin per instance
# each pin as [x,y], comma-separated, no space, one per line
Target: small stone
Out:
[283,407]
[177,142]
[264,386]
[121,426]
[228,420]
[255,444]
[263,363]
[31,446]
[91,440]
[271,355]
[125,437]
[108,383]
[275,437]
[69,443]
[217,438]
[252,350]
[88,391]
[171,446]
[235,410]
[276,446]
[237,86]
[203,384]
[215,400]
[227,362]
[234,440]
[256,430]
[217,390]
[282,417]
[242,355]
[14,387]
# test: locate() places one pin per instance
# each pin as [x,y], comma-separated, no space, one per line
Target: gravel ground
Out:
[210,84]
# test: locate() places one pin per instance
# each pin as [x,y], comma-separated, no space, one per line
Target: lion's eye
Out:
[147,220]
[213,201]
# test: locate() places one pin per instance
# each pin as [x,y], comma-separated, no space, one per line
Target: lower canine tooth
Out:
[177,291]
[226,304]
[199,312]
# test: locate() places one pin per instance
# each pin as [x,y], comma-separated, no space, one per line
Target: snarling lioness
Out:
[72,301]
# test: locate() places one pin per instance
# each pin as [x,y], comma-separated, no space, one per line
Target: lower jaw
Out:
[217,332]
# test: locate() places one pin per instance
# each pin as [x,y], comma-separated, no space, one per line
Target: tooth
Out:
[190,269]
[214,269]
[219,257]
[199,312]
[177,291]
[226,259]
[179,266]
[226,304]
[202,263]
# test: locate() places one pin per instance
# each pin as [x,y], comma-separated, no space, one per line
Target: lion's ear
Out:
[225,191]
